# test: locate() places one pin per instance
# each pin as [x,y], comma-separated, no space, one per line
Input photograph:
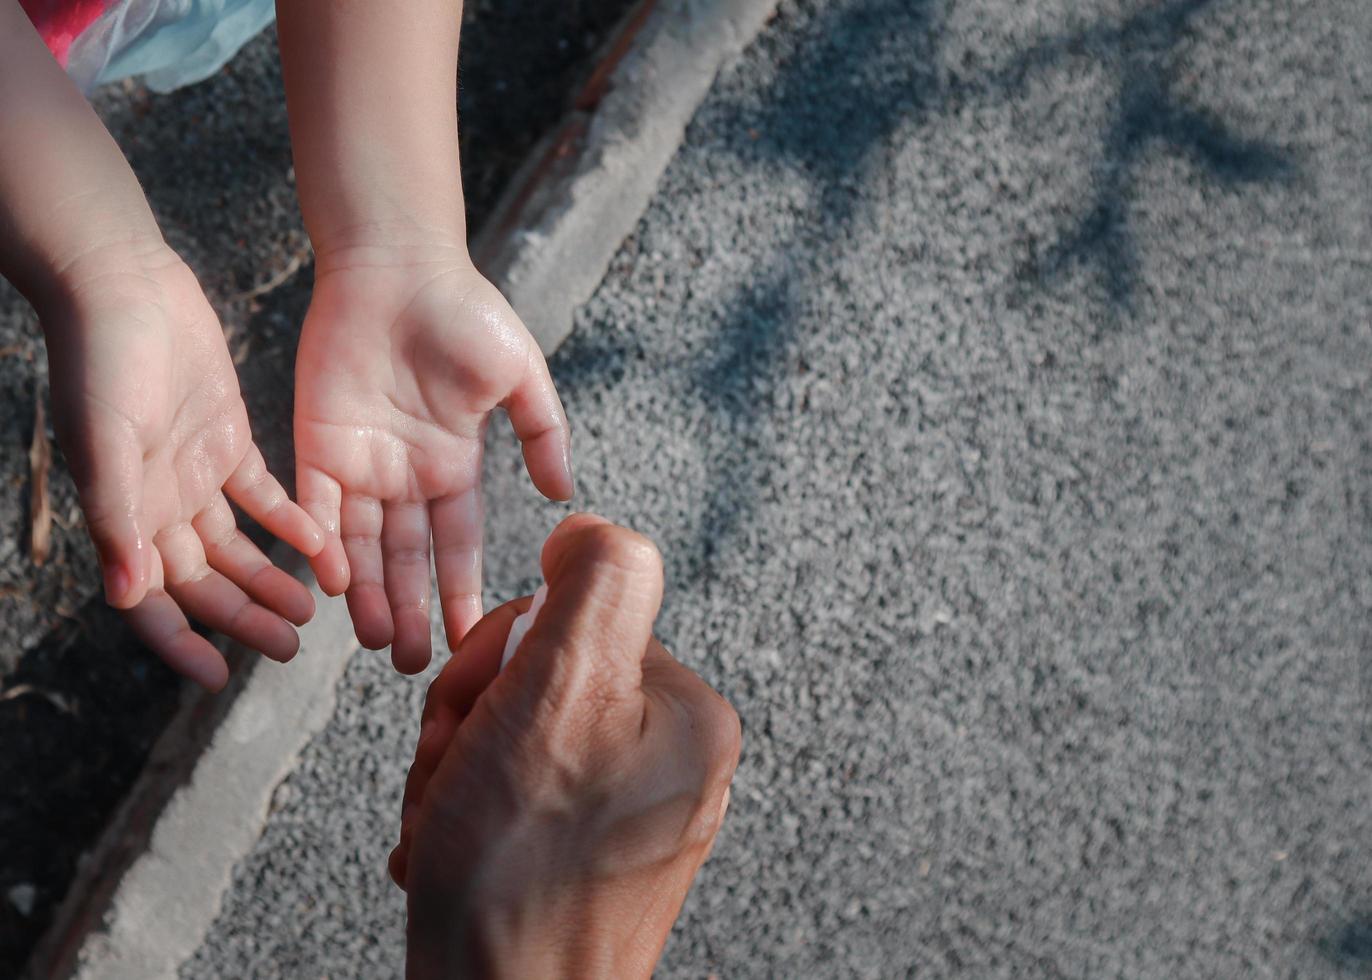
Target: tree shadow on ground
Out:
[1349,945]
[1145,110]
[871,67]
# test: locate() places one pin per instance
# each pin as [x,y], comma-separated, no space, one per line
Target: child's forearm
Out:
[372,92]
[68,199]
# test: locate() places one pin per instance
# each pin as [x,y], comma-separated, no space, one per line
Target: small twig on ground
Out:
[276,281]
[58,701]
[40,506]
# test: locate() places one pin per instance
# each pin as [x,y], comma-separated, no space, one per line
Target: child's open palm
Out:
[148,411]
[400,364]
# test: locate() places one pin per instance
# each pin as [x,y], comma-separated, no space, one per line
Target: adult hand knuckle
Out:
[620,547]
[721,734]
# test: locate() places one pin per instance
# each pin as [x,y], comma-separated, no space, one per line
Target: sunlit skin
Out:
[147,407]
[406,349]
[145,400]
[404,354]
[557,812]
[401,362]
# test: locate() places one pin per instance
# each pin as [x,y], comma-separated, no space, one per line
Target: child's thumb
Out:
[111,490]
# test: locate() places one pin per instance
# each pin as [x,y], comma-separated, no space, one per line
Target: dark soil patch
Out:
[78,717]
[520,63]
[81,706]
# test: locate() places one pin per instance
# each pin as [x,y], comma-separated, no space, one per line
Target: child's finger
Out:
[209,597]
[229,552]
[405,562]
[265,500]
[541,425]
[367,602]
[159,622]
[322,498]
[457,527]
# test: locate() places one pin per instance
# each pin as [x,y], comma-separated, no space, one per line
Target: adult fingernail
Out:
[427,733]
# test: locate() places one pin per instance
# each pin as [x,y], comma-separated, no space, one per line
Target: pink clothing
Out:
[166,43]
[60,22]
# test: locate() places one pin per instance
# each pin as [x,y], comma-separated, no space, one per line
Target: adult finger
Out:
[322,499]
[212,599]
[158,621]
[696,721]
[457,530]
[265,501]
[229,552]
[405,561]
[541,426]
[367,603]
[449,700]
[604,591]
[474,664]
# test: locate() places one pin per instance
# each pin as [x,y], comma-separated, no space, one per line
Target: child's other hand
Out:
[147,408]
[404,354]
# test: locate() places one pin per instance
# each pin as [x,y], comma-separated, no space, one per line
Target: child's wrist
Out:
[76,281]
[411,211]
[403,242]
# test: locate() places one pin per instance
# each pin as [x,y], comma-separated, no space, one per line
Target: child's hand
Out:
[148,411]
[403,355]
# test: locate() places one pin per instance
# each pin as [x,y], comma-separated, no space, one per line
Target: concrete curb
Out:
[552,237]
[148,893]
[152,888]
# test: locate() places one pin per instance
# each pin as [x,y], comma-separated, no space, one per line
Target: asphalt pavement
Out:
[995,380]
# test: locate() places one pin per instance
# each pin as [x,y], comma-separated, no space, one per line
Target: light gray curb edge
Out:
[547,247]
[553,236]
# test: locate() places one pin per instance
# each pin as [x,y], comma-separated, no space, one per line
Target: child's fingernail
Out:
[567,470]
[117,583]
[211,673]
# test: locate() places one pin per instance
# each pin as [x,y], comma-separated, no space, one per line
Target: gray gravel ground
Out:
[995,380]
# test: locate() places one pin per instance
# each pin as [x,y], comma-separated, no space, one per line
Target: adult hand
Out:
[556,813]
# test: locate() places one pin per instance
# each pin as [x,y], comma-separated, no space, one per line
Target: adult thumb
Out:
[604,592]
